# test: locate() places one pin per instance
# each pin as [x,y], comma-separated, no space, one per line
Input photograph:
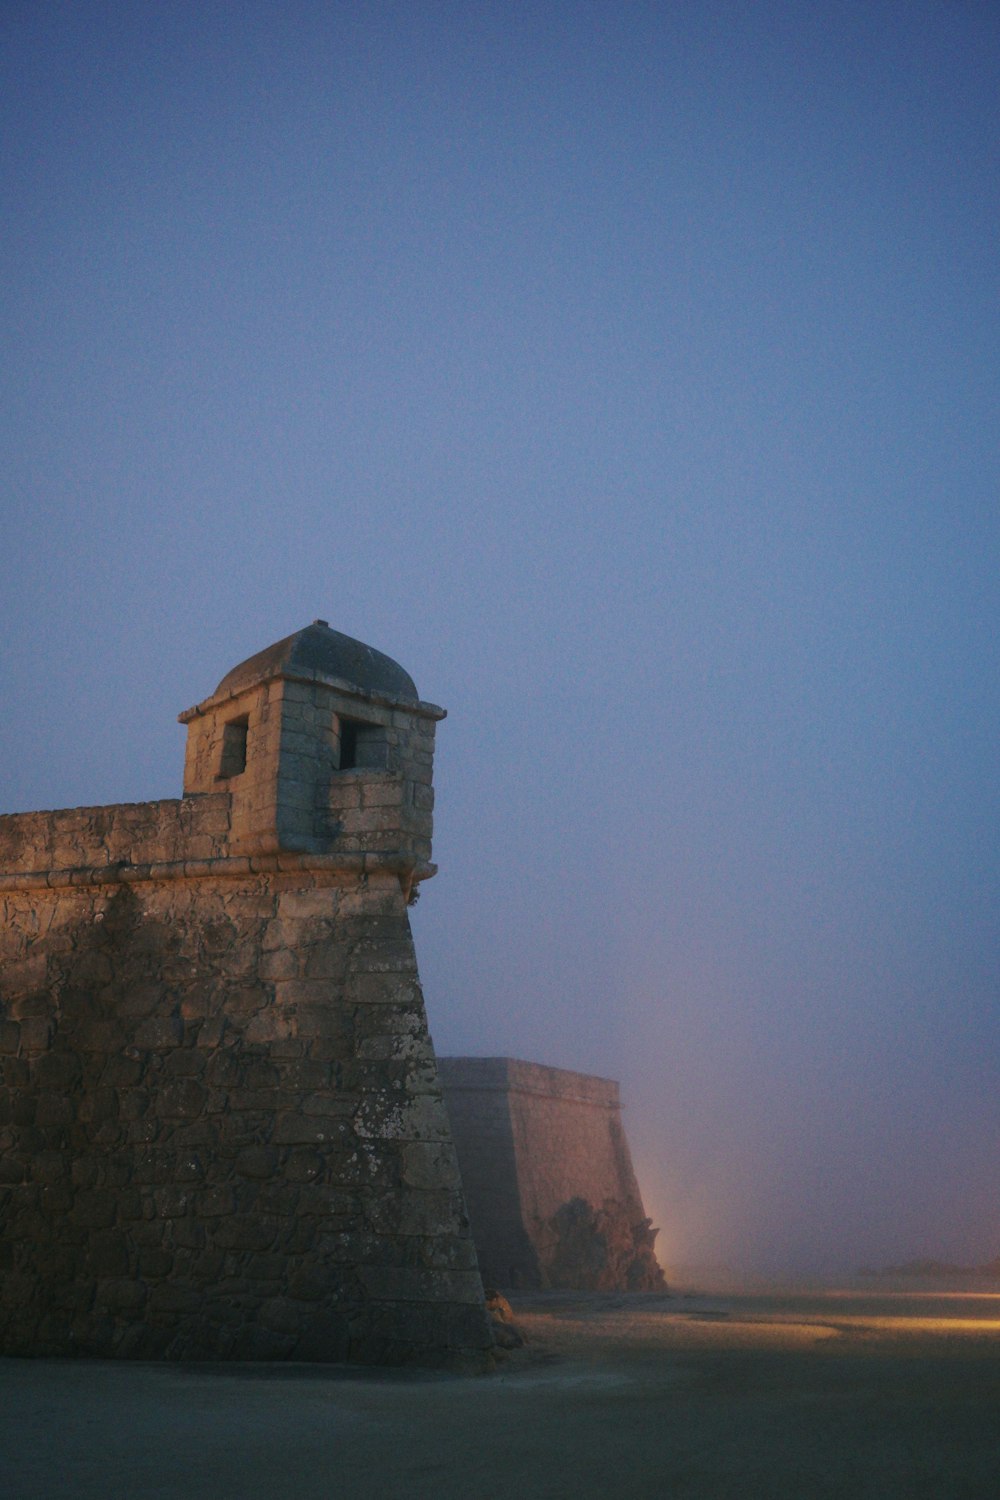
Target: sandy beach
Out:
[853,1394]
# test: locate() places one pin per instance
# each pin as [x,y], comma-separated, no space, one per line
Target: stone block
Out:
[35,1033]
[211,1033]
[306,1074]
[25,975]
[186,1063]
[326,1102]
[94,1209]
[421,1118]
[282,1315]
[48,1167]
[172,1300]
[183,1099]
[332,1049]
[258,1101]
[368,820]
[120,1294]
[383,957]
[188,1234]
[259,1072]
[321,1020]
[422,1284]
[159,1032]
[288,1047]
[53,1109]
[342,793]
[326,960]
[300,905]
[458,1254]
[270,1026]
[383,794]
[121,1072]
[244,1232]
[98,1106]
[426,1214]
[408,1325]
[174,1202]
[215,1202]
[431,1164]
[264,1266]
[260,1162]
[319,1200]
[300,1130]
[304,1166]
[281,963]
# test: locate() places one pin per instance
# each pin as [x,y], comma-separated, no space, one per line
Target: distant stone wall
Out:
[221,1129]
[552,1195]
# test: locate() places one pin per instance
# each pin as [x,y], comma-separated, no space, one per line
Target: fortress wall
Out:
[221,1128]
[569,1141]
[132,833]
[552,1194]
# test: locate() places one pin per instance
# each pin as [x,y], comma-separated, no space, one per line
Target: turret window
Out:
[233,759]
[362,746]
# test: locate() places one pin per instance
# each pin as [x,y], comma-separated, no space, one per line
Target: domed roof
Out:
[319,649]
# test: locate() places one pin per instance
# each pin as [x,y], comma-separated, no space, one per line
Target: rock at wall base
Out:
[600,1249]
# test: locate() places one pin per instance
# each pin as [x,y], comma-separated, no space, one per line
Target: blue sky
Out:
[630,373]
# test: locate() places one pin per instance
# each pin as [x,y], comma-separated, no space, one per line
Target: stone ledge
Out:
[230,866]
[418,708]
[509,1075]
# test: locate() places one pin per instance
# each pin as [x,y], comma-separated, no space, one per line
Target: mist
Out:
[630,375]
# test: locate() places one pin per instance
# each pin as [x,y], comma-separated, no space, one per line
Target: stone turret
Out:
[324,747]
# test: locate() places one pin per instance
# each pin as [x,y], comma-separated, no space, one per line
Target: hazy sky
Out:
[629,372]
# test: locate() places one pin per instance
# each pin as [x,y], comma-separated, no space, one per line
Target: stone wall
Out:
[221,1126]
[552,1194]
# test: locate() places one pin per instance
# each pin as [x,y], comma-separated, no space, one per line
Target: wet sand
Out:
[822,1394]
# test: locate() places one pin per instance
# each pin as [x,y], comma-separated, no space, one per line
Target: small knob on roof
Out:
[322,622]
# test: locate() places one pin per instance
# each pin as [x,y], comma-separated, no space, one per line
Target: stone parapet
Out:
[509,1075]
[170,830]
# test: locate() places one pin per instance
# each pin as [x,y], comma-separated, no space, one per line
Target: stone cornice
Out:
[233,867]
[418,707]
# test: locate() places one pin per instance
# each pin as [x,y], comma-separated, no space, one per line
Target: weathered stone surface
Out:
[221,1129]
